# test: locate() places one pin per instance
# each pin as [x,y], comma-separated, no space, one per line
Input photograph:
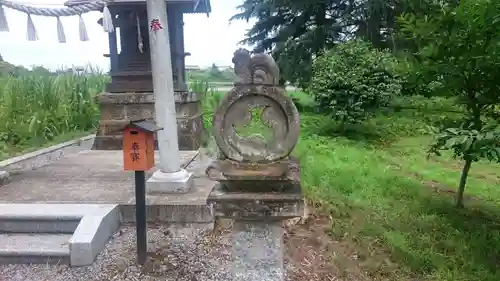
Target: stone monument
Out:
[258,181]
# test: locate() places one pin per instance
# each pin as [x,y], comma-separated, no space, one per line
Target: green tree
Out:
[460,47]
[214,71]
[40,70]
[353,80]
[294,31]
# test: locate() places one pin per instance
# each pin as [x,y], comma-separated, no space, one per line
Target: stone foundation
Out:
[118,109]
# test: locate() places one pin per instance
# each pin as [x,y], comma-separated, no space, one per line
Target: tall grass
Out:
[38,109]
[210,100]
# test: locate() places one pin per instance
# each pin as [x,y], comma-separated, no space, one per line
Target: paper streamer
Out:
[4,25]
[107,20]
[31,32]
[61,36]
[82,30]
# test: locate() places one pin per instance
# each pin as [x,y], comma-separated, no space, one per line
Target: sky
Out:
[209,40]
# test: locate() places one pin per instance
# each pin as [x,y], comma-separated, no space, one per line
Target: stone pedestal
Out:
[118,109]
[177,182]
[257,237]
[257,206]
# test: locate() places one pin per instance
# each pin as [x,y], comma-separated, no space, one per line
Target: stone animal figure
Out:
[257,69]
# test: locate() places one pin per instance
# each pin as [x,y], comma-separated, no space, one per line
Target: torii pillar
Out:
[170,177]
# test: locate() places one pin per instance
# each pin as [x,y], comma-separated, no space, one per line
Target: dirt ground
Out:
[314,256]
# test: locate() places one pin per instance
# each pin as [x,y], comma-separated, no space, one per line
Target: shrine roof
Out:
[190,6]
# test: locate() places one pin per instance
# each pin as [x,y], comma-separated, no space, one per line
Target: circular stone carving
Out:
[279,114]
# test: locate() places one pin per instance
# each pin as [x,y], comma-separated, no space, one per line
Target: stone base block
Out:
[92,234]
[257,251]
[251,177]
[118,109]
[178,182]
[262,206]
[170,213]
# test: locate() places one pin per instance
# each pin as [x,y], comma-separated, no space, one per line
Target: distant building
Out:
[225,67]
[192,67]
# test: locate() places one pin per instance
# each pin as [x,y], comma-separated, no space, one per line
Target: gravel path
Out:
[176,254]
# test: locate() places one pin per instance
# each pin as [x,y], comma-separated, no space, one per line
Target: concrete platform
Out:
[97,177]
[62,206]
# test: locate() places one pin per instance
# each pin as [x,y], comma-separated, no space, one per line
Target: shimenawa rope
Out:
[76,10]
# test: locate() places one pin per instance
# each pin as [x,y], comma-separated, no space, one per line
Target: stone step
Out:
[23,248]
[40,225]
[23,218]
[55,233]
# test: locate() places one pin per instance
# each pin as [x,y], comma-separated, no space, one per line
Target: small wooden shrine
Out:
[130,96]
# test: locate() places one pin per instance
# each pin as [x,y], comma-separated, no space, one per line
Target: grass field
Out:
[396,208]
[390,207]
[393,206]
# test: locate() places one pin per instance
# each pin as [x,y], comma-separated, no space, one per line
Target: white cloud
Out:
[209,40]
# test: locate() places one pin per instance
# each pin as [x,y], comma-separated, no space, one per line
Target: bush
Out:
[352,80]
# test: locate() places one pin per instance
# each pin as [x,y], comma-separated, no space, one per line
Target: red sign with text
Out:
[138,149]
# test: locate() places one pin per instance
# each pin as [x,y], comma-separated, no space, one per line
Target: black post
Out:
[140,216]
